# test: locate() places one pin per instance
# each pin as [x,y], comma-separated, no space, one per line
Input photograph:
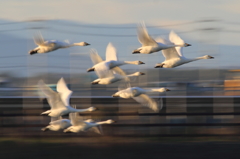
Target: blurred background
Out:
[204,97]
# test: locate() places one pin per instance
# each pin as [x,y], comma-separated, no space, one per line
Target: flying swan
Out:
[59,101]
[106,76]
[140,96]
[174,56]
[51,45]
[111,59]
[79,125]
[149,45]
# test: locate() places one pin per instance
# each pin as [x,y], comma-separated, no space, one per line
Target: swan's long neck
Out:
[194,59]
[172,45]
[165,46]
[199,58]
[76,44]
[81,110]
[131,62]
[66,45]
[154,90]
[102,122]
[133,74]
[151,90]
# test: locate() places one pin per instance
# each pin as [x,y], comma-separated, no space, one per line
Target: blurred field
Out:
[114,147]
[185,128]
[179,117]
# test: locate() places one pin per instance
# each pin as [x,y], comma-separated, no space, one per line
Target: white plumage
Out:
[59,101]
[78,125]
[108,76]
[174,56]
[140,96]
[149,45]
[51,45]
[57,124]
[111,60]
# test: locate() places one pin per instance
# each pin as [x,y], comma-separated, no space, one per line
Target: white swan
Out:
[111,59]
[174,56]
[51,45]
[59,101]
[107,76]
[78,125]
[149,45]
[140,96]
[112,77]
[57,124]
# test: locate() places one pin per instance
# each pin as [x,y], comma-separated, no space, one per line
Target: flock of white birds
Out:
[108,72]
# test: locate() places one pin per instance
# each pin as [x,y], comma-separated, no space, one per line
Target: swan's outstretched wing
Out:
[145,100]
[175,39]
[54,119]
[163,41]
[95,129]
[47,91]
[38,39]
[111,53]
[170,53]
[59,121]
[64,92]
[53,98]
[143,37]
[125,93]
[123,85]
[76,120]
[95,57]
[102,70]
[118,70]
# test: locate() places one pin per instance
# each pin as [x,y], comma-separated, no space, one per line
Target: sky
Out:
[153,12]
[212,27]
[120,11]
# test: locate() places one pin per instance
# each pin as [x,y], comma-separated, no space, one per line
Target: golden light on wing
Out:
[145,100]
[95,57]
[143,37]
[38,39]
[111,53]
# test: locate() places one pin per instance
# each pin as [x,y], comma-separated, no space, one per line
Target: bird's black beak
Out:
[141,73]
[93,83]
[167,89]
[186,44]
[115,96]
[90,69]
[136,52]
[159,66]
[33,52]
[211,57]
[141,62]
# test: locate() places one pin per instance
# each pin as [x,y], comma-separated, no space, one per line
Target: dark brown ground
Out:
[120,148]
